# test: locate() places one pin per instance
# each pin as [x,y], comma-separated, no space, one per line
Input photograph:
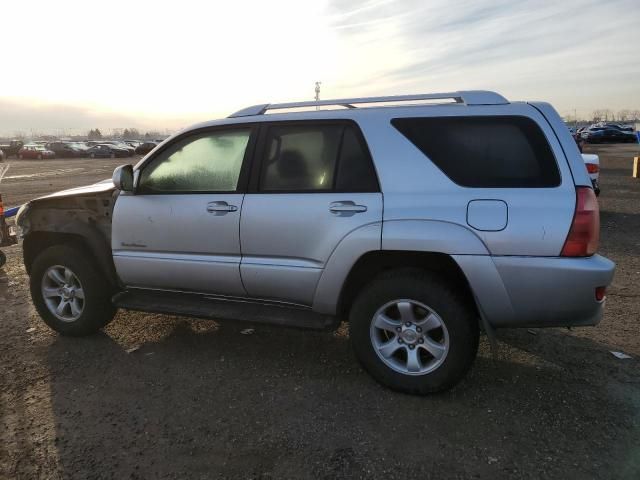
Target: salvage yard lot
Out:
[158,396]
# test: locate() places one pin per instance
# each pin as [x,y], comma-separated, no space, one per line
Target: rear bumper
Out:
[538,291]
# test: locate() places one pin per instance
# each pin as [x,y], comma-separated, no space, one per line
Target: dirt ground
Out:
[196,399]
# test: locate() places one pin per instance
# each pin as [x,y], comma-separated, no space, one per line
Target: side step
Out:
[222,308]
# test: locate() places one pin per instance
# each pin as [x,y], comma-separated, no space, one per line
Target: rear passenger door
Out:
[312,184]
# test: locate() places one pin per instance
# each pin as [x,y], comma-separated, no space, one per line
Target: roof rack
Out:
[469,97]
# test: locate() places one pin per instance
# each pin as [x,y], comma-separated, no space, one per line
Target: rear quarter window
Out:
[487,152]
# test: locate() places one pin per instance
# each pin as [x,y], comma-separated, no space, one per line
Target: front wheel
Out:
[413,333]
[69,292]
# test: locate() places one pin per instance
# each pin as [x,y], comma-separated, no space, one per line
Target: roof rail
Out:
[469,97]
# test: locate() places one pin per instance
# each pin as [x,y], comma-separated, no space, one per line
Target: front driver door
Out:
[180,229]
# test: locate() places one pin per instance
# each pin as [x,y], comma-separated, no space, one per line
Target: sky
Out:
[67,66]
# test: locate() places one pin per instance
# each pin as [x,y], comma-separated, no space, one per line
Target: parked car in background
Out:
[119,144]
[64,149]
[39,152]
[608,135]
[592,162]
[81,147]
[105,150]
[12,148]
[420,225]
[2,156]
[125,146]
[577,138]
[617,126]
[146,147]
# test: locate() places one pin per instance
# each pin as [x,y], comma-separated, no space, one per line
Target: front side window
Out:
[316,158]
[208,162]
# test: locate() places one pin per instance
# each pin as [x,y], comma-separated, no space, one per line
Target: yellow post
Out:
[636,167]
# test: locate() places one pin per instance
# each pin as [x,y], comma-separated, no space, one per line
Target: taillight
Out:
[1,207]
[584,234]
[593,168]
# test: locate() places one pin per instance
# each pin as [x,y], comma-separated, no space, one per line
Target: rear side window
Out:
[499,152]
[310,157]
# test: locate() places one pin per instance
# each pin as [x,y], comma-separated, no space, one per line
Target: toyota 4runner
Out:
[419,219]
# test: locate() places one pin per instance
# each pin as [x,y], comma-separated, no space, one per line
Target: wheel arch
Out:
[90,241]
[374,263]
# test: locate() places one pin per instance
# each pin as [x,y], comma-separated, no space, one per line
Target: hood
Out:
[100,187]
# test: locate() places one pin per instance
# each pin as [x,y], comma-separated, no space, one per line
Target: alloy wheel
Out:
[409,337]
[63,293]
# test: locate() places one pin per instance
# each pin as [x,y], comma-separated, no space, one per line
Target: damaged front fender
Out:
[81,217]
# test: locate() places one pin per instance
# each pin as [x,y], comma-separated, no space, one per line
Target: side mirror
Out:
[123,178]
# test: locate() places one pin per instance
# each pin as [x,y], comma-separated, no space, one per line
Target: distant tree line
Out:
[94,134]
[127,134]
[607,115]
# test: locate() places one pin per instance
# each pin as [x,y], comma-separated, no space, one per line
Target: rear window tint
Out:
[355,171]
[489,152]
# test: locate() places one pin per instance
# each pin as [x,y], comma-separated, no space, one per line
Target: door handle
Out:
[220,207]
[346,207]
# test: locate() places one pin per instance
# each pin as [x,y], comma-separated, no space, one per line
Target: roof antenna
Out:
[317,97]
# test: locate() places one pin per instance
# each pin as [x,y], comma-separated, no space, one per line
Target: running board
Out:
[219,308]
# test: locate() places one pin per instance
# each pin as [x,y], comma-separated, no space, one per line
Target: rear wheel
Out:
[69,292]
[413,333]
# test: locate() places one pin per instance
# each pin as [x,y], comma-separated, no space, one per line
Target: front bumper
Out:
[538,291]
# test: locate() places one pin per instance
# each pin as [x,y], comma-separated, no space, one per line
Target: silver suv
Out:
[419,219]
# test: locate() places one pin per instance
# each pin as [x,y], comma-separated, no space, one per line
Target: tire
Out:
[93,155]
[113,155]
[3,258]
[19,156]
[427,294]
[96,308]
[39,157]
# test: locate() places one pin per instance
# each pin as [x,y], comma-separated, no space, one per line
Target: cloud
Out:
[207,59]
[27,115]
[575,54]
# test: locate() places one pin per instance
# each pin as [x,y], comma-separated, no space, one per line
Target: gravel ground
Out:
[156,396]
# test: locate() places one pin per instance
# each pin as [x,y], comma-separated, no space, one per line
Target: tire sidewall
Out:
[98,309]
[455,314]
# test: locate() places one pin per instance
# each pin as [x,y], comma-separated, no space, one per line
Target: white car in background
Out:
[592,162]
